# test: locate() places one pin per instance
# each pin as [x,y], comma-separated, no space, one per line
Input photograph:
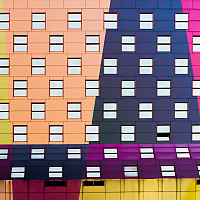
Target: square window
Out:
[110,153]
[4,21]
[92,88]
[38,65]
[181,110]
[128,88]
[168,171]
[4,66]
[74,110]
[20,133]
[146,66]
[74,65]
[56,43]
[146,20]
[20,88]
[196,132]
[93,172]
[128,43]
[110,66]
[146,152]
[163,88]
[38,20]
[56,88]
[18,172]
[182,152]
[196,43]
[127,133]
[4,111]
[110,110]
[130,171]
[74,20]
[145,110]
[92,42]
[3,154]
[110,20]
[92,133]
[74,153]
[20,43]
[56,133]
[196,88]
[181,21]
[181,66]
[164,43]
[163,133]
[37,154]
[55,172]
[38,110]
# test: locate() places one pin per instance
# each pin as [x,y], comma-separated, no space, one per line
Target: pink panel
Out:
[55,196]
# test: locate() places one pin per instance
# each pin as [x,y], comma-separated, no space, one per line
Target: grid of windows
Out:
[20,88]
[110,153]
[163,88]
[20,43]
[38,110]
[74,65]
[38,66]
[4,66]
[20,133]
[145,110]
[92,133]
[181,110]
[181,21]
[130,171]
[74,153]
[56,133]
[128,88]
[38,20]
[128,43]
[110,110]
[92,42]
[163,133]
[110,66]
[74,20]
[181,66]
[196,132]
[146,20]
[55,172]
[164,43]
[127,133]
[196,43]
[110,20]
[74,110]
[4,21]
[196,88]
[56,43]
[93,172]
[92,88]
[146,66]
[56,88]
[4,111]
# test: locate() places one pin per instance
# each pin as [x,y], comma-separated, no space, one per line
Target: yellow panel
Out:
[5,138]
[112,196]
[188,184]
[93,196]
[112,185]
[129,196]
[129,185]
[95,189]
[197,195]
[169,195]
[169,185]
[187,195]
[5,127]
[151,185]
[151,196]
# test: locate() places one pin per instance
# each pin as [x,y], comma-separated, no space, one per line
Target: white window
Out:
[146,20]
[163,88]
[167,170]
[37,153]
[196,88]
[128,43]
[110,20]
[146,66]
[56,88]
[146,152]
[110,153]
[93,172]
[3,154]
[110,66]
[130,171]
[110,110]
[182,152]
[196,132]
[74,20]
[92,43]
[56,133]
[92,133]
[20,43]
[74,153]
[38,65]
[4,111]
[163,133]
[164,43]
[146,110]
[74,110]
[74,65]
[38,110]
[92,88]
[128,88]
[56,43]
[181,66]
[181,21]
[4,66]
[196,43]
[181,110]
[18,172]
[20,88]
[198,168]
[38,20]
[4,20]
[55,172]
[20,133]
[127,133]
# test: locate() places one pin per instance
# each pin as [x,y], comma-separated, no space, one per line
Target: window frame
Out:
[98,89]
[195,132]
[8,112]
[163,132]
[128,88]
[175,66]
[130,171]
[93,133]
[181,21]
[146,21]
[53,89]
[116,111]
[197,44]
[93,171]
[74,66]
[181,110]
[195,88]
[164,88]
[127,133]
[146,66]
[20,44]
[56,44]
[6,13]
[4,66]
[39,13]
[128,44]
[146,110]
[107,21]
[164,44]
[74,21]
[56,134]
[110,66]
[74,111]
[37,154]
[38,111]
[38,66]
[20,134]
[92,43]
[21,89]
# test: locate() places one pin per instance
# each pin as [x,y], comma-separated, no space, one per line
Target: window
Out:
[4,111]
[146,66]
[55,172]
[163,133]
[20,88]
[145,110]
[38,20]
[56,133]
[128,88]
[181,66]
[92,43]
[164,43]
[56,43]
[110,66]
[38,65]
[110,20]
[163,88]
[146,20]
[56,88]
[4,20]
[127,133]
[146,152]
[20,43]
[74,153]
[20,133]
[92,88]
[3,154]
[37,153]
[92,133]
[4,66]
[196,88]
[110,110]
[38,110]
[182,152]
[196,43]
[74,20]
[110,153]
[181,110]
[181,21]
[128,43]
[74,110]
[18,172]
[198,168]
[167,170]
[74,65]
[93,172]
[196,132]
[130,171]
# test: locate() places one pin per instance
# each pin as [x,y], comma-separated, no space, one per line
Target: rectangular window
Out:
[92,42]
[20,43]
[146,66]
[20,88]
[20,133]
[56,133]
[92,133]
[128,88]
[164,43]
[181,66]
[3,154]
[146,152]
[145,110]
[55,172]
[18,172]
[110,20]
[110,110]
[74,20]
[38,20]
[92,88]
[110,66]
[167,171]
[196,88]
[198,168]
[56,88]
[163,88]
[56,43]
[4,111]
[128,43]
[196,43]
[181,21]
[110,153]
[181,110]
[146,20]
[130,171]
[74,110]
[93,172]
[4,21]
[37,154]
[196,132]
[127,133]
[182,152]
[74,153]
[38,110]
[74,65]
[163,133]
[38,65]
[4,66]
